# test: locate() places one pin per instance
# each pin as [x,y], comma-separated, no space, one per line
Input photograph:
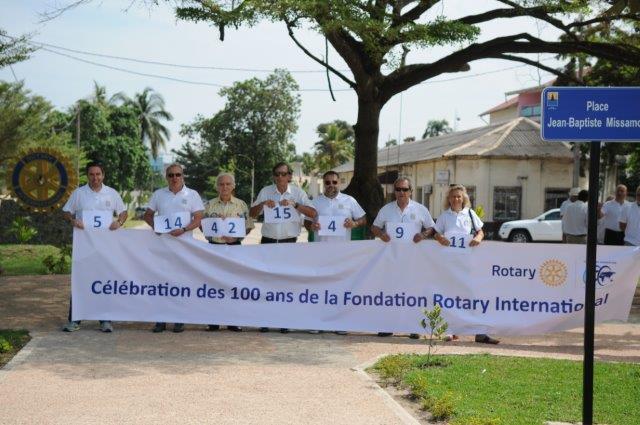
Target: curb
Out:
[405,417]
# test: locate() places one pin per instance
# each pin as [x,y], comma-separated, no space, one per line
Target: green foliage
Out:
[393,368]
[255,127]
[11,341]
[13,50]
[22,230]
[442,408]
[479,209]
[476,420]
[150,110]
[110,134]
[59,263]
[336,145]
[29,121]
[435,324]
[436,128]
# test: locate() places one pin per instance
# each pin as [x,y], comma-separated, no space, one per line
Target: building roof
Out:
[518,138]
[504,105]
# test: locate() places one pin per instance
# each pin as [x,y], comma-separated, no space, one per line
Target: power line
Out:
[204,83]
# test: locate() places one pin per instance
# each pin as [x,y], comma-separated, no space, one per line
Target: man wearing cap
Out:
[175,198]
[630,221]
[282,194]
[94,196]
[573,195]
[610,213]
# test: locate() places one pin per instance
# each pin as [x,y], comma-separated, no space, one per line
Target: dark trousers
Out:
[611,237]
[269,240]
[224,243]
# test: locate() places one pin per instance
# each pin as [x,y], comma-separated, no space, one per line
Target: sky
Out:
[111,27]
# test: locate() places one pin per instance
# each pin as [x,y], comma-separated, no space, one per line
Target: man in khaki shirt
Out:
[227,206]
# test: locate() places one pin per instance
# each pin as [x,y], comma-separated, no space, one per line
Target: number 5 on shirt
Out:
[97,219]
[331,225]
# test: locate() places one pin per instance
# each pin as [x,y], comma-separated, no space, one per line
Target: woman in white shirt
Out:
[457,224]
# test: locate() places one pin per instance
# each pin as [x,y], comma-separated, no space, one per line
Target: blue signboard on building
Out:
[605,114]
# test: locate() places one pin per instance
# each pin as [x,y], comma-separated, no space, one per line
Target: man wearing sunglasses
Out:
[291,202]
[175,198]
[403,210]
[336,204]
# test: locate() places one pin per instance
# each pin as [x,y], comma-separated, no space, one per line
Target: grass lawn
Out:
[19,260]
[487,390]
[10,343]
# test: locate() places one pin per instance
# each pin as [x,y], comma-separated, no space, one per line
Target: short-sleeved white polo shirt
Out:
[86,199]
[165,202]
[611,211]
[342,206]
[631,215]
[289,229]
[412,213]
[574,221]
[458,222]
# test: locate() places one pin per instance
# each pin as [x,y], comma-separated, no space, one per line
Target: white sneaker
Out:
[106,326]
[71,327]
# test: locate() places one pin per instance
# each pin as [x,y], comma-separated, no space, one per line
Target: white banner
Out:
[369,286]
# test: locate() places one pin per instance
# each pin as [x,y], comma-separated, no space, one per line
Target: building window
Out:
[553,198]
[506,203]
[530,111]
[471,191]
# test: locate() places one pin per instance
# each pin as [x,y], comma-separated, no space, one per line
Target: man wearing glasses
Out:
[285,202]
[174,199]
[630,221]
[333,203]
[403,210]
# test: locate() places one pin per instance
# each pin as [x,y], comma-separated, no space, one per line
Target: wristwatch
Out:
[184,229]
[295,205]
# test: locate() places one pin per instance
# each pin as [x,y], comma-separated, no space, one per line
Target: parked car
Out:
[546,227]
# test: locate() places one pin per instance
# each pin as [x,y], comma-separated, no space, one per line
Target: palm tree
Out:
[99,96]
[151,113]
[334,147]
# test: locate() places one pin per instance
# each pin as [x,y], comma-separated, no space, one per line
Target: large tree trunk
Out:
[364,185]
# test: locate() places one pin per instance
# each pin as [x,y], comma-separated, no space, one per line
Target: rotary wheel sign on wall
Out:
[41,179]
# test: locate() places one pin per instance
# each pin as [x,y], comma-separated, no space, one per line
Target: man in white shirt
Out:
[175,199]
[573,195]
[286,202]
[333,203]
[610,213]
[630,221]
[345,209]
[402,210]
[89,200]
[575,220]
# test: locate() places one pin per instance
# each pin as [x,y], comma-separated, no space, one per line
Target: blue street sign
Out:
[607,114]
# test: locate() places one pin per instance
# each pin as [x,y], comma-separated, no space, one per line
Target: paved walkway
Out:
[134,376]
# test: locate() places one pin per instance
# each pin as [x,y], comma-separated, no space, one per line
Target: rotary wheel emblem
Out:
[553,272]
[41,179]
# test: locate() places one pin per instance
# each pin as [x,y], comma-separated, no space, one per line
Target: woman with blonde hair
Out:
[454,226]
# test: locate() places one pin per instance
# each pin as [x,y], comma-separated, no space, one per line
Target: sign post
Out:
[590,114]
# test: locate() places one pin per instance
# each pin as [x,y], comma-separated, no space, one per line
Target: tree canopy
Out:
[12,49]
[436,128]
[374,38]
[255,128]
